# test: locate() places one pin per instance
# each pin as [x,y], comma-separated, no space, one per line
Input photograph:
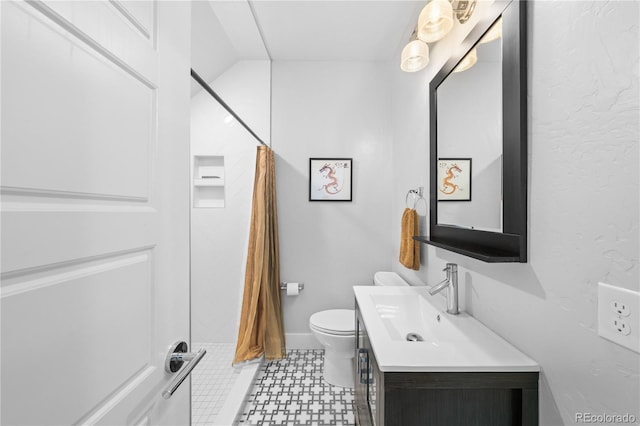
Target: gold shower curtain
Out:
[261,326]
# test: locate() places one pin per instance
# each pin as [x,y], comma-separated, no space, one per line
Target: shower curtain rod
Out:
[215,96]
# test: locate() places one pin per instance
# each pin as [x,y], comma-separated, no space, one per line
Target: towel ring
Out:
[406,199]
[417,195]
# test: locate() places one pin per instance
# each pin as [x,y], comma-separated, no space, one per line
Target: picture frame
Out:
[330,179]
[454,179]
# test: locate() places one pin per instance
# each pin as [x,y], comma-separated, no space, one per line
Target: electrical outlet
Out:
[620,308]
[619,315]
[620,326]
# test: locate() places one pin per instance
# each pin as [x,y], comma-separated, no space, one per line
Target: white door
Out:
[95,198]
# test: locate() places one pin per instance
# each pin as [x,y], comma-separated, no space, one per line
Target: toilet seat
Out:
[338,322]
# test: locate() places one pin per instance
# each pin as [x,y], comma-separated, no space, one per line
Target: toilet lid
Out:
[386,278]
[334,321]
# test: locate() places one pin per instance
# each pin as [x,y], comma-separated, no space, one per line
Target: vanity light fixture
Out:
[436,19]
[434,22]
[494,33]
[415,55]
[463,9]
[467,62]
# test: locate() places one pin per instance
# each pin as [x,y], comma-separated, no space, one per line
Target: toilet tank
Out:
[388,278]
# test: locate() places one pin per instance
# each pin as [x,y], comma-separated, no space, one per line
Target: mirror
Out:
[469,118]
[478,144]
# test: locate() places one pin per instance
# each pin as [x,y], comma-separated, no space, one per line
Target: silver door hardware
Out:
[176,358]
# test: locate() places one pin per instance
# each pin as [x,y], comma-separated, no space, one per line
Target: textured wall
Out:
[331,109]
[583,203]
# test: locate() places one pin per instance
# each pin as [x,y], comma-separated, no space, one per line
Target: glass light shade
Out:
[415,56]
[468,61]
[494,33]
[435,21]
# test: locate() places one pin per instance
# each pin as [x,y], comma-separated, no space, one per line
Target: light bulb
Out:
[468,61]
[435,21]
[415,56]
[493,33]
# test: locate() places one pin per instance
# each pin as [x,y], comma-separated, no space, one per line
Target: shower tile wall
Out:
[219,236]
[292,392]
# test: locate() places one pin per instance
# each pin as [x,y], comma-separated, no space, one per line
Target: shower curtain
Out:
[261,326]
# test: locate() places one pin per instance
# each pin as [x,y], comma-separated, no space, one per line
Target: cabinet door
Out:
[374,386]
[361,378]
[360,388]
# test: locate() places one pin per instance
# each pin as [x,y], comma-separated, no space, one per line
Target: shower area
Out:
[229,56]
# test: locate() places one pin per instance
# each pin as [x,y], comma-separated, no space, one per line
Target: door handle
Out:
[177,357]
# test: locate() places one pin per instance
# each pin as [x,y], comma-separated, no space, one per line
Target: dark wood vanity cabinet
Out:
[439,398]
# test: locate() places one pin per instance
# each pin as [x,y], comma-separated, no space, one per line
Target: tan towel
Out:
[409,248]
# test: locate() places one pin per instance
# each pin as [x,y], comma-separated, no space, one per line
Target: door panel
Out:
[99,113]
[100,328]
[95,199]
[140,14]
[108,26]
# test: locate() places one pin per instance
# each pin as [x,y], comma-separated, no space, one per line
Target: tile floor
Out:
[211,382]
[292,392]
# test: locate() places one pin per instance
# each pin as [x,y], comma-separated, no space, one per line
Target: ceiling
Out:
[227,31]
[335,30]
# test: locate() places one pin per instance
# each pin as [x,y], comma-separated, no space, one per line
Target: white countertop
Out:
[454,343]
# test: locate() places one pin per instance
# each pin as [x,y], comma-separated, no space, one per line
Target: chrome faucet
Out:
[451,284]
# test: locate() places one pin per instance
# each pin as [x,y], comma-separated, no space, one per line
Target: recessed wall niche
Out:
[208,181]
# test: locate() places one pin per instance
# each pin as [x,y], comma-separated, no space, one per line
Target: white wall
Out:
[583,203]
[211,50]
[246,88]
[331,109]
[219,236]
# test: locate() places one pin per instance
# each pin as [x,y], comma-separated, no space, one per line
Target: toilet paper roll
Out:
[293,289]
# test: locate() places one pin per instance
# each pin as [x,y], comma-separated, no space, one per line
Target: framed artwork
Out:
[330,179]
[454,179]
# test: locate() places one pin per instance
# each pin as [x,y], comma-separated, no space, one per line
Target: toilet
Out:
[335,329]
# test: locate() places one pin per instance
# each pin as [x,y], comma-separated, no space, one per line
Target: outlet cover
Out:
[619,315]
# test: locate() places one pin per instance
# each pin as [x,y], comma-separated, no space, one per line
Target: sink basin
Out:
[403,314]
[393,316]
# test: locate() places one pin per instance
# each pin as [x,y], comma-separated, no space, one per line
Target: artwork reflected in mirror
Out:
[454,179]
[469,129]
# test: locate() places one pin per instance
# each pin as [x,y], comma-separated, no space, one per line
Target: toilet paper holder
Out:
[283,285]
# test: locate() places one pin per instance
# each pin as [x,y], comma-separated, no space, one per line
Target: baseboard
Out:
[302,341]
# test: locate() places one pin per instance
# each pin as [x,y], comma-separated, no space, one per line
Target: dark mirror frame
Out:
[510,245]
